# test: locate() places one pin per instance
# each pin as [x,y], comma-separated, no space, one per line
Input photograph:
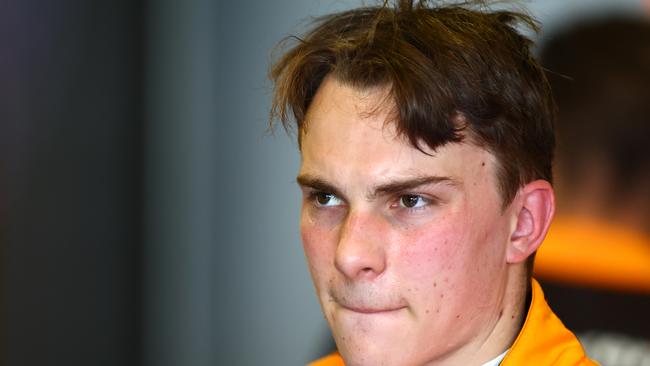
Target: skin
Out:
[414,259]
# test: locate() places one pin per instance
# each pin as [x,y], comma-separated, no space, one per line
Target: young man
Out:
[426,137]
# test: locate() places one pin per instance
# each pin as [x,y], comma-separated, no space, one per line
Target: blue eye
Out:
[326,199]
[412,201]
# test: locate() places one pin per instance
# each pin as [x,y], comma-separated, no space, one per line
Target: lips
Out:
[372,310]
[366,300]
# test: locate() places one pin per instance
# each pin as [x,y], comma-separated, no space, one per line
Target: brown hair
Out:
[453,71]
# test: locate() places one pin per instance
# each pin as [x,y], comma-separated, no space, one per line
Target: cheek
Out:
[432,249]
[319,244]
[452,255]
[429,266]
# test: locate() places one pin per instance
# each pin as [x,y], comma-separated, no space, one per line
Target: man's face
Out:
[406,250]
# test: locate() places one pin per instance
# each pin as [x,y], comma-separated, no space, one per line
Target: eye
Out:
[412,201]
[326,199]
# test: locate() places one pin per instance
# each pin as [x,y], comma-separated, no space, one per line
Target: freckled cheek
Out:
[430,250]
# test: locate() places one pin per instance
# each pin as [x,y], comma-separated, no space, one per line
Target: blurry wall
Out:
[182,178]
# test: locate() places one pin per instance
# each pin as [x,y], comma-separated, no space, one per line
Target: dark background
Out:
[71,148]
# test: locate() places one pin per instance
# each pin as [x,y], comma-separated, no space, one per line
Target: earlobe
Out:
[536,208]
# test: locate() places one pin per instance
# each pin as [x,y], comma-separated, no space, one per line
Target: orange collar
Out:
[543,340]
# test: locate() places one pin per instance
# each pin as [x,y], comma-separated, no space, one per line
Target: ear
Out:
[534,210]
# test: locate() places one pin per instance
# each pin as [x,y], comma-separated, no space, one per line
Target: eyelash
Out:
[313,197]
[427,202]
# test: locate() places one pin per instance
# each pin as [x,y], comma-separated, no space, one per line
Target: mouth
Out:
[372,310]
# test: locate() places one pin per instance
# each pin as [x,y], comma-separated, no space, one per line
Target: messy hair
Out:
[453,72]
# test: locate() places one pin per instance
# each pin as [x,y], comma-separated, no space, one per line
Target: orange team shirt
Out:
[543,340]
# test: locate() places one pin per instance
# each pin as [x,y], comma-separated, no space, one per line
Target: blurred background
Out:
[147,216]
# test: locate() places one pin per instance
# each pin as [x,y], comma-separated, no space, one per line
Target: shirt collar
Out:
[496,361]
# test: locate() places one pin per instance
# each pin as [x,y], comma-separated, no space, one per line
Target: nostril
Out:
[367,272]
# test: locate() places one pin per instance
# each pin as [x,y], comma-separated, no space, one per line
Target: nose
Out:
[360,253]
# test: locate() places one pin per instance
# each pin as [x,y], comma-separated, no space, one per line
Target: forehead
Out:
[348,131]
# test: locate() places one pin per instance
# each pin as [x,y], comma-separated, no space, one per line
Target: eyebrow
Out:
[409,184]
[306,180]
[393,187]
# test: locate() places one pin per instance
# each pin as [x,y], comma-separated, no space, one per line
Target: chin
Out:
[358,355]
[371,348]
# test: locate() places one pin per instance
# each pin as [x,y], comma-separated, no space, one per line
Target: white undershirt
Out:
[497,360]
